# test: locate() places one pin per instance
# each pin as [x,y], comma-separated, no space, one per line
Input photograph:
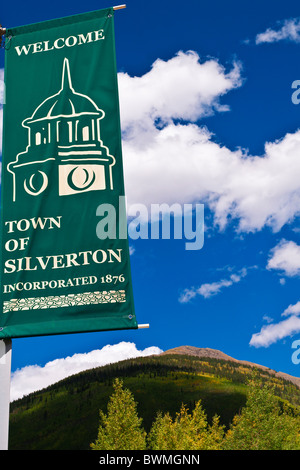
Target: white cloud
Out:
[32,378]
[267,319]
[285,257]
[276,331]
[169,160]
[180,88]
[272,333]
[187,295]
[289,30]
[292,309]
[209,289]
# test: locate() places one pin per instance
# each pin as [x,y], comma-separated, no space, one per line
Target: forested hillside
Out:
[66,415]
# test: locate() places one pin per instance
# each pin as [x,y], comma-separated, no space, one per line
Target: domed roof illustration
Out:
[65,103]
[63,140]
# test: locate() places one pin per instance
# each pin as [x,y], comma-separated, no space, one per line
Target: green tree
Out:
[120,428]
[264,423]
[186,432]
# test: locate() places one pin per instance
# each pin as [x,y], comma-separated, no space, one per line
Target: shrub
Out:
[120,428]
[264,423]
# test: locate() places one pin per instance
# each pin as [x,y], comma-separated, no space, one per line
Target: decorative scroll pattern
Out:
[58,301]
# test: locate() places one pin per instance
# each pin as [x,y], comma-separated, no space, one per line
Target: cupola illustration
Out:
[64,146]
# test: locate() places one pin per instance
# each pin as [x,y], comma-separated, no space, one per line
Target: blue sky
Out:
[217,77]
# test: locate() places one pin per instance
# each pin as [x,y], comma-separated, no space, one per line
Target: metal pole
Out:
[5,371]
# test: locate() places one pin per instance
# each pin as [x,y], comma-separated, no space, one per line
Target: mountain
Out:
[65,416]
[215,354]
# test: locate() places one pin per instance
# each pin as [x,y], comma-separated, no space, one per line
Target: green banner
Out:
[65,264]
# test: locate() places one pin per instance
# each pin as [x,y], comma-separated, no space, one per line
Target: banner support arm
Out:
[119,7]
[3,30]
